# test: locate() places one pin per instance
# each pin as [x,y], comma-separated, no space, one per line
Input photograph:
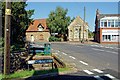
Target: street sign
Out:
[42,61]
[47,48]
[8,11]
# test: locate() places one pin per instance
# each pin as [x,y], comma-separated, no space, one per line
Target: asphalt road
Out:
[95,60]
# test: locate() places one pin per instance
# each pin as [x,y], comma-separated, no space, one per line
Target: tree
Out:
[58,21]
[90,34]
[20,19]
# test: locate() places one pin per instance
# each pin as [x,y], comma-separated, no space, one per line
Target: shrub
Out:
[53,38]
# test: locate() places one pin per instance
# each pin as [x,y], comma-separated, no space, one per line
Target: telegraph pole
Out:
[84,25]
[7,37]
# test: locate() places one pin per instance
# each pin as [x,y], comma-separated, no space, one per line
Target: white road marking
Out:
[72,57]
[115,52]
[91,45]
[105,51]
[116,48]
[97,45]
[88,72]
[106,47]
[111,47]
[112,52]
[110,76]
[97,70]
[98,78]
[83,63]
[97,49]
[101,46]
[64,53]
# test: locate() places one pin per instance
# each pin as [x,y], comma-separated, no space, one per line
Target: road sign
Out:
[42,61]
[47,48]
[8,11]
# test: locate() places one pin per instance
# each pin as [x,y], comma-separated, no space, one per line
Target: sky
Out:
[42,9]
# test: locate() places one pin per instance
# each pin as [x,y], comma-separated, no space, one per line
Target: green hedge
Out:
[53,38]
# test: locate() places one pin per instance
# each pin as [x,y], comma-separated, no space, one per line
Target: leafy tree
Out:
[20,19]
[58,21]
[90,34]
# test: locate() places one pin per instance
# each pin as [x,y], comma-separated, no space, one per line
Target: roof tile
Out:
[34,26]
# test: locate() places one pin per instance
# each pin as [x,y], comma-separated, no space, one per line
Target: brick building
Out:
[75,30]
[38,31]
[107,28]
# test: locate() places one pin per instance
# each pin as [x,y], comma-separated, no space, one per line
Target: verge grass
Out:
[28,73]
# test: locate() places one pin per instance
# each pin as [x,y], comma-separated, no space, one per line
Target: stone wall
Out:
[38,36]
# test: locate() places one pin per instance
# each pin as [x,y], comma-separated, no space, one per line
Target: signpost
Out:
[42,61]
[47,48]
[7,37]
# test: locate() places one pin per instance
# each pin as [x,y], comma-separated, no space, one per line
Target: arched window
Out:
[41,37]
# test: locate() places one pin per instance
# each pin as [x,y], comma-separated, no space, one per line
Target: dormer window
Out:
[40,28]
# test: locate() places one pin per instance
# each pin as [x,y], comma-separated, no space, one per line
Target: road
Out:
[90,59]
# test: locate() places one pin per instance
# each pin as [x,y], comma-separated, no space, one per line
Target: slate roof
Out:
[108,15]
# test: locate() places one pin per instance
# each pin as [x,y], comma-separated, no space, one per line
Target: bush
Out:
[1,42]
[53,38]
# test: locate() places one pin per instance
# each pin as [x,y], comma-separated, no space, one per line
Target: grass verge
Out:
[41,54]
[27,73]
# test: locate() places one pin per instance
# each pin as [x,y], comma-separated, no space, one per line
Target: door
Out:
[32,38]
[76,34]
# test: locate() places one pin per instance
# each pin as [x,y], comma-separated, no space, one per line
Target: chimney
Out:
[97,12]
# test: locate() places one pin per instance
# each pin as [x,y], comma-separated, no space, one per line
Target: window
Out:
[106,37]
[105,24]
[115,37]
[109,25]
[109,39]
[32,38]
[40,28]
[112,23]
[102,24]
[70,30]
[103,37]
[116,23]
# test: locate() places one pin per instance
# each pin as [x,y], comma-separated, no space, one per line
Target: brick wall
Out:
[101,35]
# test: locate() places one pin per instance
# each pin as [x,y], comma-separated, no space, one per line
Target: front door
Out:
[32,38]
[76,34]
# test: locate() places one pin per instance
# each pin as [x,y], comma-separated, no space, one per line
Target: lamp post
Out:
[7,37]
